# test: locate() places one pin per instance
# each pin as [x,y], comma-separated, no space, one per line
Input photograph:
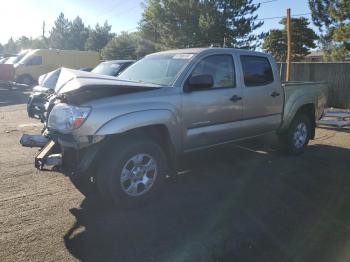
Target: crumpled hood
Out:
[49,80]
[67,75]
[79,86]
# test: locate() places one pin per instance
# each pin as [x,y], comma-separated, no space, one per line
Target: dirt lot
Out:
[239,203]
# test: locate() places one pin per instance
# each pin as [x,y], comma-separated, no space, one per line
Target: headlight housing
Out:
[65,118]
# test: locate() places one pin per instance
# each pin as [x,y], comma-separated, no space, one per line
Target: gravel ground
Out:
[243,202]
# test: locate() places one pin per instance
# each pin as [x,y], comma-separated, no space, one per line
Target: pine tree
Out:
[60,33]
[24,42]
[10,47]
[303,39]
[122,46]
[333,20]
[99,37]
[78,34]
[179,24]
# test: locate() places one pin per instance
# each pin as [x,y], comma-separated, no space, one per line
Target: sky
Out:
[25,17]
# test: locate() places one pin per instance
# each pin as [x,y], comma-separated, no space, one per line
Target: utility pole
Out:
[289,41]
[43,29]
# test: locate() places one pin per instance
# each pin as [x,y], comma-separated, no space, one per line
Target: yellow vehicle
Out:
[42,61]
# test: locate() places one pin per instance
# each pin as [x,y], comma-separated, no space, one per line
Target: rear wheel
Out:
[297,137]
[133,172]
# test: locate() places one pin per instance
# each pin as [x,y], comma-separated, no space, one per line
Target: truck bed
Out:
[297,93]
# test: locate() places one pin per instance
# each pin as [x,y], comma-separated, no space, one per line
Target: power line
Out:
[110,9]
[266,2]
[279,17]
[124,12]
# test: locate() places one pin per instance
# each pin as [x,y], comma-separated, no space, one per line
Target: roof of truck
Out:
[208,50]
[118,61]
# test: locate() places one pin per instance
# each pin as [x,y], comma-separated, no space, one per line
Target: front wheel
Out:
[84,185]
[297,137]
[26,80]
[133,171]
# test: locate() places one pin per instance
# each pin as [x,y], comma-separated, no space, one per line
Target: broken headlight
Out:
[65,118]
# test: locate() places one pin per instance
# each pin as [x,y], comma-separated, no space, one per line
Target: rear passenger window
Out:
[257,70]
[220,67]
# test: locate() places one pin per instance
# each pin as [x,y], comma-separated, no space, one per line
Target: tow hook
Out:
[54,160]
[45,158]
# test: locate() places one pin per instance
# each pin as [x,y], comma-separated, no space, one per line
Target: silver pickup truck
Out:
[125,136]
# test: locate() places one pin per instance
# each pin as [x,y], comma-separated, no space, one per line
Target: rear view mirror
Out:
[200,82]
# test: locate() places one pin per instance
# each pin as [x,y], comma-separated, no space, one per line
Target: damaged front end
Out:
[71,155]
[64,146]
[60,149]
[37,105]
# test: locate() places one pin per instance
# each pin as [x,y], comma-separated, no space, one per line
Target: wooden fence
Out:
[336,75]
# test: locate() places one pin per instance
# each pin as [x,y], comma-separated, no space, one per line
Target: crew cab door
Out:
[211,115]
[262,95]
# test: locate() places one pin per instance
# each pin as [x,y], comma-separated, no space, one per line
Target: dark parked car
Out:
[112,67]
[86,69]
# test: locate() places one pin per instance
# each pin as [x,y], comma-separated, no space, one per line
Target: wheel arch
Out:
[307,109]
[159,119]
[159,133]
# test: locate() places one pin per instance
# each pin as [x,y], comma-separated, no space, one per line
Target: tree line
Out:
[167,24]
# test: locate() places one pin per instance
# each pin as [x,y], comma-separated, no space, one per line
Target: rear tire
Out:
[132,172]
[297,137]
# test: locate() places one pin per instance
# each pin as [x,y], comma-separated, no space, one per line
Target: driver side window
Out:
[35,60]
[220,67]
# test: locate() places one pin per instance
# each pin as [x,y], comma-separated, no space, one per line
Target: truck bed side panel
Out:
[298,94]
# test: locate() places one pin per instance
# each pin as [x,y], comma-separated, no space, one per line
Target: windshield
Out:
[25,58]
[160,69]
[11,60]
[110,69]
[16,59]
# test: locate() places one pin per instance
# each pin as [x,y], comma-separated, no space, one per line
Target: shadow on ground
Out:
[235,205]
[14,95]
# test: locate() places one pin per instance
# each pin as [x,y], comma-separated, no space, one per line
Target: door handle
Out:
[235,98]
[275,94]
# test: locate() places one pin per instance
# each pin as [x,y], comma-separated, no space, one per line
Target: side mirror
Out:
[199,82]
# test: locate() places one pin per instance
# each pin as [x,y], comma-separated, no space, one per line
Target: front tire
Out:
[297,137]
[133,171]
[84,185]
[26,80]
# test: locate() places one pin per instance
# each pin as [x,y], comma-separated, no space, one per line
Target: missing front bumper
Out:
[46,158]
[63,152]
